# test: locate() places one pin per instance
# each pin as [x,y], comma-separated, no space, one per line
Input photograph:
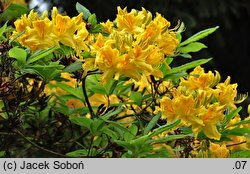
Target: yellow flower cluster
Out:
[42,33]
[134,45]
[200,101]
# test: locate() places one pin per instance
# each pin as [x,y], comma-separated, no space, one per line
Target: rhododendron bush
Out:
[76,87]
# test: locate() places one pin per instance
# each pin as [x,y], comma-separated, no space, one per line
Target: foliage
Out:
[74,87]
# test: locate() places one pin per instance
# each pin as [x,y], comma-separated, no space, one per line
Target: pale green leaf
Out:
[19,54]
[189,65]
[3,28]
[152,123]
[192,47]
[164,128]
[77,65]
[200,35]
[81,9]
[81,121]
[41,54]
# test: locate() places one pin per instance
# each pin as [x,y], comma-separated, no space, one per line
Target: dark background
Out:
[229,46]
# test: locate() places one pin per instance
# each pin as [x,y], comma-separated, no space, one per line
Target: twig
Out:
[235,144]
[36,145]
[7,133]
[85,93]
[90,146]
[86,97]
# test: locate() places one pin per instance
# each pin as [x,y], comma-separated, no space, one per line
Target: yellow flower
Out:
[40,36]
[22,23]
[198,79]
[130,22]
[107,26]
[210,116]
[162,22]
[71,32]
[227,93]
[149,36]
[135,47]
[194,109]
[109,61]
[75,103]
[168,43]
[180,107]
[219,151]
[43,33]
[98,99]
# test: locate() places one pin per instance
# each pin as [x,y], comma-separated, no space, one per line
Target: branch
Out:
[36,145]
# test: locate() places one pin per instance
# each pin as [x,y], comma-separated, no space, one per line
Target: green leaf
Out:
[189,65]
[94,86]
[230,116]
[140,141]
[119,126]
[112,88]
[240,154]
[124,144]
[239,123]
[128,136]
[192,47]
[15,37]
[165,128]
[152,123]
[110,133]
[200,35]
[164,68]
[92,19]
[236,132]
[188,56]
[77,65]
[81,9]
[41,54]
[2,29]
[47,72]
[13,12]
[170,138]
[77,92]
[124,89]
[30,71]
[97,29]
[78,153]
[175,75]
[2,153]
[112,113]
[87,54]
[19,54]
[96,126]
[136,97]
[81,121]
[98,89]
[169,60]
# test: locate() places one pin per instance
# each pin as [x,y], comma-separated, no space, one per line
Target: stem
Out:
[235,144]
[85,92]
[7,133]
[86,97]
[36,145]
[90,146]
